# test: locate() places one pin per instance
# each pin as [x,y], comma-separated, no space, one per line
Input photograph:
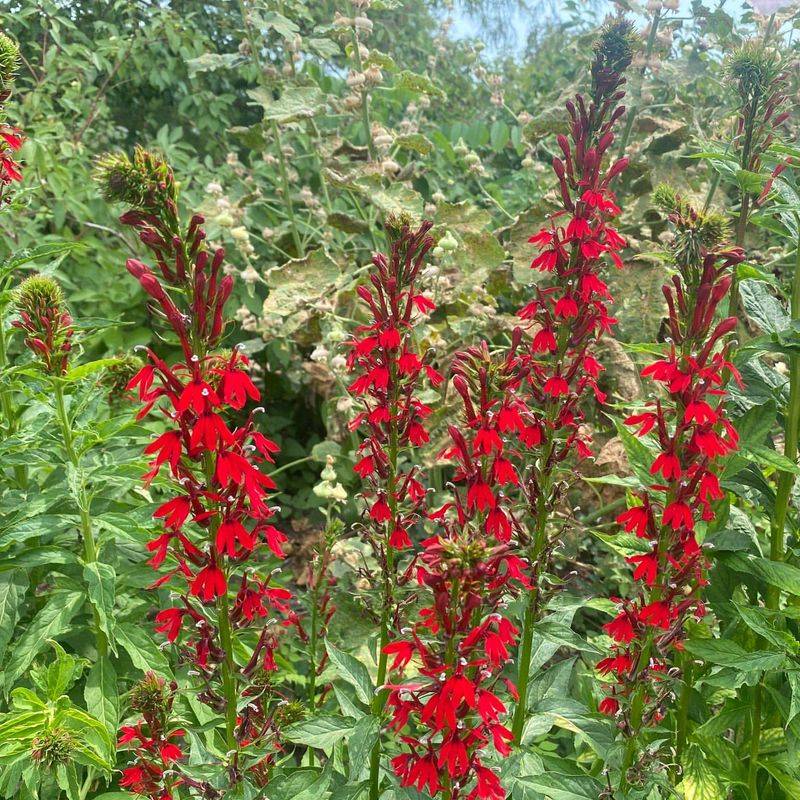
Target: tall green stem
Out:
[634,109]
[791,435]
[87,534]
[225,634]
[778,522]
[283,169]
[379,701]
[682,724]
[7,407]
[228,670]
[365,110]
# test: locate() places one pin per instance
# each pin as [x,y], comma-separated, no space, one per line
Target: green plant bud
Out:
[752,68]
[665,198]
[460,148]
[287,713]
[616,45]
[38,293]
[116,377]
[150,696]
[52,748]
[448,242]
[9,61]
[139,181]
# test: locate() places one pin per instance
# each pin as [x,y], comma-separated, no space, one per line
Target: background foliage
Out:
[253,106]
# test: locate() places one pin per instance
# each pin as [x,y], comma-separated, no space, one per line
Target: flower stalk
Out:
[218,517]
[568,316]
[389,371]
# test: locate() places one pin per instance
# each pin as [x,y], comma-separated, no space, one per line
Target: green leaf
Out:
[13,583]
[141,648]
[750,182]
[766,456]
[776,573]
[60,673]
[762,622]
[762,307]
[419,84]
[101,694]
[89,368]
[297,102]
[320,732]
[350,669]
[700,781]
[101,583]
[211,62]
[417,142]
[282,25]
[359,746]
[51,622]
[727,653]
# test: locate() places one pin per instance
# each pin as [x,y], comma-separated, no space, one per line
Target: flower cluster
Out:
[219,517]
[151,741]
[690,430]
[11,138]
[389,371]
[462,639]
[569,311]
[44,319]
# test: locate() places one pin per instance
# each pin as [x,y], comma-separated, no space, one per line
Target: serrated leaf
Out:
[101,586]
[13,583]
[776,573]
[350,669]
[417,142]
[101,694]
[727,653]
[296,102]
[700,781]
[50,623]
[420,84]
[359,747]
[210,62]
[762,307]
[89,368]
[321,732]
[143,651]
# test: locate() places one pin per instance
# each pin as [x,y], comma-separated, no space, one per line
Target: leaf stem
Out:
[87,535]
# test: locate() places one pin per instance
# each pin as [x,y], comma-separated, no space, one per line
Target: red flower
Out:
[209,583]
[647,567]
[620,628]
[635,519]
[170,621]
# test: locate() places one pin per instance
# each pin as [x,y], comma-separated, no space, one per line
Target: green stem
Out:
[379,701]
[225,633]
[87,534]
[778,523]
[741,231]
[228,671]
[792,432]
[755,744]
[520,712]
[365,111]
[634,109]
[9,412]
[682,723]
[284,172]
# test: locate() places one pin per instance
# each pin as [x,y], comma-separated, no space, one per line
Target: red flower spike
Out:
[688,424]
[216,513]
